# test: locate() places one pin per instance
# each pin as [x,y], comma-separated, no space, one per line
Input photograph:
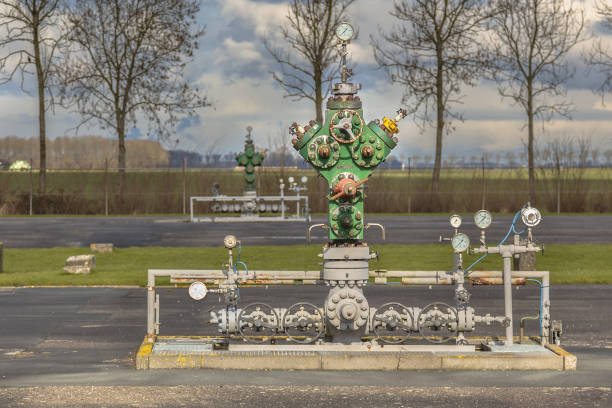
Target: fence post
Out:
[184,187]
[106,187]
[409,192]
[559,189]
[31,186]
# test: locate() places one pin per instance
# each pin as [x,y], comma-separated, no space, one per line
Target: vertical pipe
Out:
[282,194]
[184,187]
[150,306]
[544,329]
[157,314]
[1,257]
[31,187]
[191,208]
[106,187]
[508,298]
[484,183]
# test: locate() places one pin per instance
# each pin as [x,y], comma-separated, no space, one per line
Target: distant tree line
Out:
[83,152]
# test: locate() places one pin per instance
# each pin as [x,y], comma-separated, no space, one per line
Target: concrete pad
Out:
[501,362]
[570,362]
[267,361]
[175,361]
[420,362]
[186,352]
[360,361]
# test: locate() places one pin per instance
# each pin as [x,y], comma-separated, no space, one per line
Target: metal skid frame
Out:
[301,202]
[263,277]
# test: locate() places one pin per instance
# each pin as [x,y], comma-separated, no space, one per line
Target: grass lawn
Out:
[128,266]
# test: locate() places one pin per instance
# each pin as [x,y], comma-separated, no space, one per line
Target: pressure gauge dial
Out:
[460,242]
[230,241]
[531,216]
[483,219]
[197,290]
[455,221]
[344,31]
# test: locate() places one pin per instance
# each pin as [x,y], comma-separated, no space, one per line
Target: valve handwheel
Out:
[347,188]
[346,126]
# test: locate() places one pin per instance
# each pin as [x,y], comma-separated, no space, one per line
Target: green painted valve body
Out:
[249,159]
[345,151]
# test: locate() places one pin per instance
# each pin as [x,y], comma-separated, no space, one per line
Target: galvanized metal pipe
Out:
[508,299]
[151,306]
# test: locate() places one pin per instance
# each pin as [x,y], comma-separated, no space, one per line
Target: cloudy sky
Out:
[233,68]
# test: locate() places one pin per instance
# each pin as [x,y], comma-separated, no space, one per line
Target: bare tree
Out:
[433,53]
[31,40]
[531,39]
[599,57]
[128,63]
[309,61]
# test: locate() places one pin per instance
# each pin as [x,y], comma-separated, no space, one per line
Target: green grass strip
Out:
[128,266]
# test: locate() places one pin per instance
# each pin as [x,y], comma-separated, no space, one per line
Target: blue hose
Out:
[510,230]
[239,262]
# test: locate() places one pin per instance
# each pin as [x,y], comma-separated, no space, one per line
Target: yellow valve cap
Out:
[390,125]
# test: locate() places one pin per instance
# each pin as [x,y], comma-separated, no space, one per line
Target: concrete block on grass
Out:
[101,248]
[80,264]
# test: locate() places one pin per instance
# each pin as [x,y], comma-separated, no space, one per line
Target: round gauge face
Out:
[483,219]
[344,31]
[197,290]
[229,241]
[304,179]
[460,242]
[291,179]
[455,221]
[531,216]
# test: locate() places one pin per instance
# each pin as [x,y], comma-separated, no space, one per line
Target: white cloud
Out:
[265,17]
[238,51]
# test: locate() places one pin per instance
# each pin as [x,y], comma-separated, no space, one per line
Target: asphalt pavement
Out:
[49,232]
[75,347]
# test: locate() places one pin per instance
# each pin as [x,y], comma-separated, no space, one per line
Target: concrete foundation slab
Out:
[192,352]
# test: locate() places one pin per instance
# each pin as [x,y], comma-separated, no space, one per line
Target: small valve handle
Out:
[351,184]
[391,124]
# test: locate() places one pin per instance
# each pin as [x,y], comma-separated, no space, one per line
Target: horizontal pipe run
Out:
[442,276]
[247,198]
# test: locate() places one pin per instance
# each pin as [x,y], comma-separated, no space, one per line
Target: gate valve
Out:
[391,124]
[347,188]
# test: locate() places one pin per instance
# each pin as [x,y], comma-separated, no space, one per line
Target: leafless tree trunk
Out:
[129,59]
[309,64]
[31,40]
[434,52]
[531,39]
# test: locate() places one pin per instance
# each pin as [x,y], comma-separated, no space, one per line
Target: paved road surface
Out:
[74,347]
[48,232]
